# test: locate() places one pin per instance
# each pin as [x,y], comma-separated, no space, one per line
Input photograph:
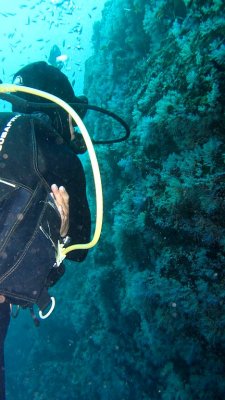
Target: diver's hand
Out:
[61,199]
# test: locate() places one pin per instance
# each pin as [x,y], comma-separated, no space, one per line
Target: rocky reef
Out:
[145,313]
[161,65]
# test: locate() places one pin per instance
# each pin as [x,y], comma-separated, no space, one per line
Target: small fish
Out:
[94,8]
[10,35]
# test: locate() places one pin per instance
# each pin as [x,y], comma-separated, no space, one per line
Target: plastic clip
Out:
[44,316]
[60,255]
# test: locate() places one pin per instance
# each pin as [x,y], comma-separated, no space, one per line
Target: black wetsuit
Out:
[57,164]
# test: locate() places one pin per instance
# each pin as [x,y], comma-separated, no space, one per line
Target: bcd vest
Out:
[29,220]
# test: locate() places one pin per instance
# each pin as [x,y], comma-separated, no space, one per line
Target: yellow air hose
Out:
[94,163]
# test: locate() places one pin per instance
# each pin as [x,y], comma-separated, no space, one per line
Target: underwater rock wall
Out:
[160,65]
[144,317]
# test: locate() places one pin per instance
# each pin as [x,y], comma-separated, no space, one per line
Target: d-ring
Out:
[44,316]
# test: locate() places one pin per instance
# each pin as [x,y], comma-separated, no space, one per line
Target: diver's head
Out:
[40,75]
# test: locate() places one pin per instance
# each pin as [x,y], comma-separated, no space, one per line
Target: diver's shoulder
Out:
[43,125]
[40,118]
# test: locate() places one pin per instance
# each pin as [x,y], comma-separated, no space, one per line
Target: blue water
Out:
[29,30]
[143,317]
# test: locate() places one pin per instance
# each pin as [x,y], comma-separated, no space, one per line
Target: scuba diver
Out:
[39,166]
[54,57]
[44,212]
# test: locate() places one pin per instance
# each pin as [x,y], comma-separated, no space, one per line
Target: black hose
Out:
[26,106]
[110,114]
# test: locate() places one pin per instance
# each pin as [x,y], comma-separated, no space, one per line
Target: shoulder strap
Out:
[6,124]
[18,151]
